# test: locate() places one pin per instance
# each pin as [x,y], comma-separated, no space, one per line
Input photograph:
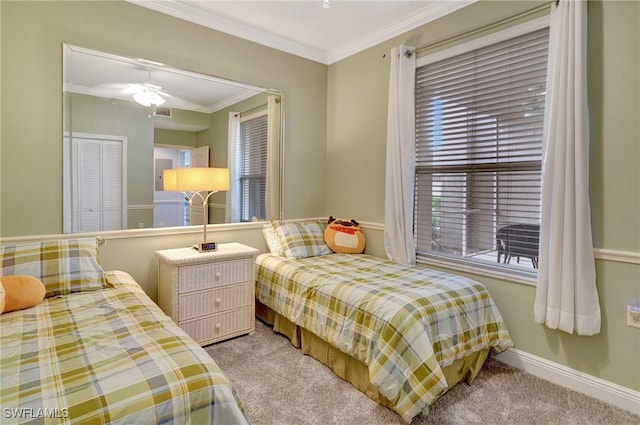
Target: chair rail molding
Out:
[629,257]
[617,256]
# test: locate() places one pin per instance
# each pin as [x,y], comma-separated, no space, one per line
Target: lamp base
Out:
[206,246]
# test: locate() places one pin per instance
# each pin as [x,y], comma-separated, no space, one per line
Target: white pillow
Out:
[273,240]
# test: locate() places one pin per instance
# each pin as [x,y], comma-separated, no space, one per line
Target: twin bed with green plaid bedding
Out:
[403,323]
[107,356]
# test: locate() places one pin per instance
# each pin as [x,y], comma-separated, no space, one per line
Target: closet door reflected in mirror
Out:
[94,186]
[149,106]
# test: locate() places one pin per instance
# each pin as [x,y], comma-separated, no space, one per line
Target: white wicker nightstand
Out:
[209,295]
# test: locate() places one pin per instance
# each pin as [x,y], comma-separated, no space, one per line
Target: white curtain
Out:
[399,185]
[232,213]
[566,294]
[272,189]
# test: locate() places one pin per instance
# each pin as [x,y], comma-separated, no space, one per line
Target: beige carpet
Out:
[279,385]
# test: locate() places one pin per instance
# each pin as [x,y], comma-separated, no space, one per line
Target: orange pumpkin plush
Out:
[344,236]
[19,292]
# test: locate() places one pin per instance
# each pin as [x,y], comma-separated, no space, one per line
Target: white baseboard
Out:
[575,380]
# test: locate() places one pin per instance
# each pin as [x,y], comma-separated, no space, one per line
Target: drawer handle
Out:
[218,275]
[218,327]
[217,300]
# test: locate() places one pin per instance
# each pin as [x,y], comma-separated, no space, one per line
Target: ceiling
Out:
[304,27]
[117,78]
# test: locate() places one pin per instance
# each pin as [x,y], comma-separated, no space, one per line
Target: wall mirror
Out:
[127,119]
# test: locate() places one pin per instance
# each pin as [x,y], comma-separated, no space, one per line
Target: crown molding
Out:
[189,13]
[229,26]
[400,26]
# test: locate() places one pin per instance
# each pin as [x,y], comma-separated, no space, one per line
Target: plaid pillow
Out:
[64,266]
[272,239]
[302,239]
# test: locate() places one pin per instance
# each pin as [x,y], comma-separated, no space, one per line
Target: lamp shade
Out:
[202,179]
[169,180]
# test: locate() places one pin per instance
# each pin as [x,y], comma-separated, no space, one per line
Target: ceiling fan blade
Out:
[151,86]
[112,86]
[132,88]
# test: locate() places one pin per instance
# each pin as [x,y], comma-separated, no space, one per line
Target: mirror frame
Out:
[69,49]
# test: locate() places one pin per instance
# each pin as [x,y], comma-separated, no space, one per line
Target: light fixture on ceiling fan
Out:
[326,4]
[148,94]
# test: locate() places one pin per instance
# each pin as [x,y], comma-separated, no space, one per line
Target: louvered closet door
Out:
[89,182]
[112,185]
[98,184]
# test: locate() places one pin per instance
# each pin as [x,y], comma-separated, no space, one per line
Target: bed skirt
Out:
[351,369]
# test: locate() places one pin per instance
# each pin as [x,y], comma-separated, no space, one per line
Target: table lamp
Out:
[193,181]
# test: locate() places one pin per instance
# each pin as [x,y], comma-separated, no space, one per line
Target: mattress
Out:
[404,323]
[108,356]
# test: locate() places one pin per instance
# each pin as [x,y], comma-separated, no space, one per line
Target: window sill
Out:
[455,266]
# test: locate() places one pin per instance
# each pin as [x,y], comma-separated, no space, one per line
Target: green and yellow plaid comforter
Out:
[107,356]
[404,323]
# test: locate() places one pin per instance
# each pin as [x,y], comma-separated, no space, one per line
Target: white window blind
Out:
[251,167]
[479,118]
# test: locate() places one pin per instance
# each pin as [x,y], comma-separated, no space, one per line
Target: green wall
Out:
[179,120]
[166,137]
[335,143]
[356,143]
[31,85]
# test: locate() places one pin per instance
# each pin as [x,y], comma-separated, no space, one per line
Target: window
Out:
[479,118]
[251,168]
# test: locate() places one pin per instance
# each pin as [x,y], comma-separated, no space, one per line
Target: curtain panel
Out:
[400,166]
[566,294]
[233,194]
[272,185]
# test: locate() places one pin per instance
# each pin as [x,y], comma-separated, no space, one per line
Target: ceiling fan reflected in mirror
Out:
[149,84]
[144,93]
[147,94]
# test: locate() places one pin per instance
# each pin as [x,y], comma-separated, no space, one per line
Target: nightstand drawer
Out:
[220,326]
[203,303]
[210,295]
[205,276]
